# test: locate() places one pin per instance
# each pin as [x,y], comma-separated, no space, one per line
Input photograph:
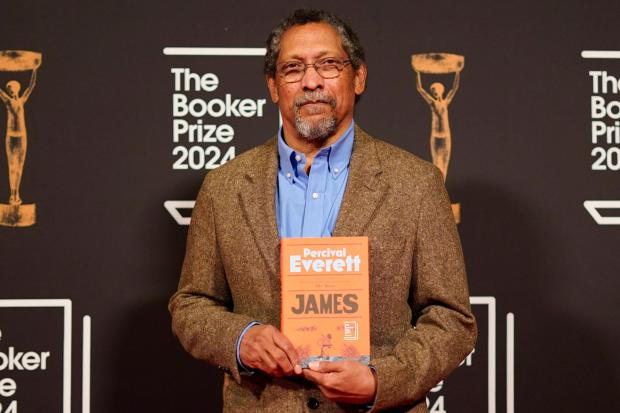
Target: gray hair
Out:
[350,41]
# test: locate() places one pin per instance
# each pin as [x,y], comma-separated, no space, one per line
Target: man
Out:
[323,176]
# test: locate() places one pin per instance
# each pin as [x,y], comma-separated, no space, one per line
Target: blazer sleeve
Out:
[201,309]
[444,329]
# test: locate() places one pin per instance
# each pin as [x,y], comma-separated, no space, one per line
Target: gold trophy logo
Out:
[16,213]
[441,138]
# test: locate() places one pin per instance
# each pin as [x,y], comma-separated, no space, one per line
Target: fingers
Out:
[282,363]
[328,366]
[263,347]
[267,364]
[343,381]
[325,373]
[314,376]
[286,346]
[319,372]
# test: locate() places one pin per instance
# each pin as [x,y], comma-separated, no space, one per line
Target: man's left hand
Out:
[343,381]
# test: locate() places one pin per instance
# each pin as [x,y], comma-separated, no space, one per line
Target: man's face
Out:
[314,107]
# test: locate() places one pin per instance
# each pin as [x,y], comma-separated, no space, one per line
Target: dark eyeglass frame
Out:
[324,67]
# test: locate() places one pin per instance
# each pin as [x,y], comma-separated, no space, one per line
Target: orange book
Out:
[325,298]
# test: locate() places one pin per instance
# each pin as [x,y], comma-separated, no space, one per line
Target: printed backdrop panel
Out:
[111,129]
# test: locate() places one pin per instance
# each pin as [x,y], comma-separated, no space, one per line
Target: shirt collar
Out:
[338,154]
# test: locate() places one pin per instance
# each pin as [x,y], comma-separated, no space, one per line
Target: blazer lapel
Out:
[363,195]
[365,191]
[258,199]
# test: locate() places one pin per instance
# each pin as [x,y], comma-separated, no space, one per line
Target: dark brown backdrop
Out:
[99,167]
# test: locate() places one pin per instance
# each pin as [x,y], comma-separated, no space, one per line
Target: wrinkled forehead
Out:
[309,42]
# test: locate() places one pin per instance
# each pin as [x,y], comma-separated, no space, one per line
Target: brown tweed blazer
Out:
[421,322]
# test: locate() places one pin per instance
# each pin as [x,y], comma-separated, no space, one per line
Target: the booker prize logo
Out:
[16,213]
[438,101]
[197,129]
[14,360]
[604,132]
[207,112]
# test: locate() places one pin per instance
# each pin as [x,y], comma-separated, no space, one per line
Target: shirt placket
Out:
[315,197]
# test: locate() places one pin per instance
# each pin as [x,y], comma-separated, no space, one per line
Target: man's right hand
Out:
[265,348]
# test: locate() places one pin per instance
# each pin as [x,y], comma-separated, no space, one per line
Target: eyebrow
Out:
[316,56]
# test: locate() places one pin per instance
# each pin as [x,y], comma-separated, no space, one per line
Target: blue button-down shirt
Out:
[307,205]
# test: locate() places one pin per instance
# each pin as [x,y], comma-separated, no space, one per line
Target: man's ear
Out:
[359,82]
[273,90]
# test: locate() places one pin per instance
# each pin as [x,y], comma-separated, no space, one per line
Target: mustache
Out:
[315,96]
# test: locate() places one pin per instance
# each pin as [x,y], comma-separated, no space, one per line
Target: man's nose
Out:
[311,79]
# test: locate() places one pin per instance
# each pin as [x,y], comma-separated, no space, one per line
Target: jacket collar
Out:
[364,193]
[365,190]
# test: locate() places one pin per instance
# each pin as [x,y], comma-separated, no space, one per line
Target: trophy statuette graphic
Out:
[16,213]
[441,138]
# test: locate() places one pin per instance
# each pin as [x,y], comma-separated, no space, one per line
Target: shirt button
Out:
[313,403]
[336,170]
[297,158]
[288,174]
[315,195]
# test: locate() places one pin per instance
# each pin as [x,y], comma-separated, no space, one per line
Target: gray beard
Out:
[315,130]
[319,129]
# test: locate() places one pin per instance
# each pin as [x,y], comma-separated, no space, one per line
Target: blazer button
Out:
[313,403]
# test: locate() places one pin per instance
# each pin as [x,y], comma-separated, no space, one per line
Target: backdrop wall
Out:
[112,169]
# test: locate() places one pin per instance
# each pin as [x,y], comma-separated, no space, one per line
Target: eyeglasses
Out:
[327,68]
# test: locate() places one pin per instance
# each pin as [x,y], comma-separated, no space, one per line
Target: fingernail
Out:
[297,369]
[314,365]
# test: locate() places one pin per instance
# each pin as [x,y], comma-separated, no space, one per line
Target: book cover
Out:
[325,298]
